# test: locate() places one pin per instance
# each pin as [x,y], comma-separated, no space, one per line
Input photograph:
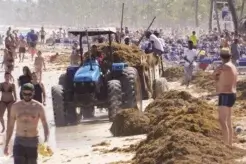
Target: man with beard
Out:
[26,113]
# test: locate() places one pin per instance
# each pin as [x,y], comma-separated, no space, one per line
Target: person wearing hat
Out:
[225,77]
[26,113]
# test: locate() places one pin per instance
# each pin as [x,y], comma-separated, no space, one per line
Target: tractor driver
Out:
[96,55]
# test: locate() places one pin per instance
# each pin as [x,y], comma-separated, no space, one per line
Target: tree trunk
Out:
[242,8]
[196,12]
[217,16]
[210,15]
[234,14]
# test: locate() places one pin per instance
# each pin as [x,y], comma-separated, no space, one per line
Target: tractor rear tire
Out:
[114,98]
[58,106]
[131,87]
[159,87]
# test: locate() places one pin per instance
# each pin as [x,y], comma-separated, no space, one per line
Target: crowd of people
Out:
[30,108]
[27,111]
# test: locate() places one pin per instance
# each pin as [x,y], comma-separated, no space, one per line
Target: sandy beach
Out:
[75,143]
[91,141]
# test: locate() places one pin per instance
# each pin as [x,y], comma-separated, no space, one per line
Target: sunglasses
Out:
[27,94]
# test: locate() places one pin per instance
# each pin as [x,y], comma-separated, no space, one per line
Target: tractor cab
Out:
[97,81]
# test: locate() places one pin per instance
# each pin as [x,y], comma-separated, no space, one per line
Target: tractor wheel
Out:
[74,114]
[114,98]
[62,80]
[58,105]
[88,112]
[131,87]
[159,87]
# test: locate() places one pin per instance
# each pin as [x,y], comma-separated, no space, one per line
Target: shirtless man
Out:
[39,65]
[26,113]
[226,78]
[22,49]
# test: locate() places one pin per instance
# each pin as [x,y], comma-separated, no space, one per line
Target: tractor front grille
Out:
[84,87]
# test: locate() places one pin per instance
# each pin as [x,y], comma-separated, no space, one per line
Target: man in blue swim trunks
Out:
[226,83]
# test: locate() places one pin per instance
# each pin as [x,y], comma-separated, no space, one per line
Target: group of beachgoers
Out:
[27,111]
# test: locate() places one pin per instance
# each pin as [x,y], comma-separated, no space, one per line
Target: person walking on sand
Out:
[8,97]
[226,77]
[25,78]
[189,57]
[42,35]
[235,52]
[39,65]
[26,113]
[32,39]
[22,49]
[39,89]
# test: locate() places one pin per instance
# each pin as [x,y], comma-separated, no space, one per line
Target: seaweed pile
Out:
[184,130]
[173,73]
[241,90]
[61,59]
[202,80]
[130,122]
[181,129]
[129,54]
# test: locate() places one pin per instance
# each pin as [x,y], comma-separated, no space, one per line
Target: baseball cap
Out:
[27,87]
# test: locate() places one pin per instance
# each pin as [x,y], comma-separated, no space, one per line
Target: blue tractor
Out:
[83,87]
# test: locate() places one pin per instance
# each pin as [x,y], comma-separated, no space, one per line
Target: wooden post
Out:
[121,22]
[196,12]
[242,9]
[234,14]
[217,16]
[211,15]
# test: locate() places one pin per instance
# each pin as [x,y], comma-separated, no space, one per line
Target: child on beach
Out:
[39,65]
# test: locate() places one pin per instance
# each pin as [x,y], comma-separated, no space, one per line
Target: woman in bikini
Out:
[39,95]
[8,97]
[8,58]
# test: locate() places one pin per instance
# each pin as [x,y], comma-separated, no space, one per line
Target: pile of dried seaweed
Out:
[130,122]
[181,146]
[173,73]
[61,59]
[202,80]
[241,90]
[184,130]
[129,54]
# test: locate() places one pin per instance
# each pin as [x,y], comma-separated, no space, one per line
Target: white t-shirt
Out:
[162,42]
[157,43]
[190,55]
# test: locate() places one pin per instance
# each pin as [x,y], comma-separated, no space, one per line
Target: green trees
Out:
[106,12]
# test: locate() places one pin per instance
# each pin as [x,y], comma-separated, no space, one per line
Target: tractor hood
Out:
[86,74]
